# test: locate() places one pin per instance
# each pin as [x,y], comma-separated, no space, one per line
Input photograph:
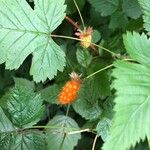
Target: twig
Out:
[94,143]
[77,39]
[80,131]
[79,13]
[99,71]
[71,21]
[68,107]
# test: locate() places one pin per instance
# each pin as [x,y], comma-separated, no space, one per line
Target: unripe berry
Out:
[86,40]
[69,92]
[85,36]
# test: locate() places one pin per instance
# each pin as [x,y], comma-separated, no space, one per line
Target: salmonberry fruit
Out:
[85,36]
[69,92]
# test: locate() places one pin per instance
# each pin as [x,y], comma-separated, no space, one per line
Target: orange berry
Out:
[69,92]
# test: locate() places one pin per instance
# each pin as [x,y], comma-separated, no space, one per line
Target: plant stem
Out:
[72,22]
[77,39]
[80,131]
[68,107]
[65,134]
[89,76]
[79,13]
[94,143]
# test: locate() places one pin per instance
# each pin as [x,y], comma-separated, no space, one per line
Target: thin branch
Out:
[79,131]
[79,13]
[71,21]
[77,39]
[68,107]
[89,76]
[94,143]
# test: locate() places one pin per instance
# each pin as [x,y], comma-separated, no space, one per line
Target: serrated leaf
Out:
[105,7]
[24,106]
[100,81]
[6,140]
[29,140]
[132,106]
[87,103]
[103,127]
[138,46]
[90,124]
[5,123]
[24,82]
[57,137]
[25,31]
[83,56]
[46,62]
[118,20]
[95,36]
[108,107]
[131,8]
[145,5]
[50,94]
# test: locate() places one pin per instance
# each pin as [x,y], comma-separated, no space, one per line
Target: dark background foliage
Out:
[94,107]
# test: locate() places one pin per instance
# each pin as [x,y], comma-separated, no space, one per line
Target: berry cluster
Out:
[70,90]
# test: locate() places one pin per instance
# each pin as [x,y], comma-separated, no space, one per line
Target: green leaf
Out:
[87,103]
[6,141]
[50,93]
[105,7]
[24,82]
[103,127]
[25,31]
[118,20]
[83,56]
[131,8]
[108,105]
[95,36]
[29,140]
[138,47]
[145,5]
[57,137]
[24,106]
[5,123]
[131,120]
[100,82]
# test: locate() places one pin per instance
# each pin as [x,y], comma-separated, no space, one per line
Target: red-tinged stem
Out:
[71,21]
[94,49]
